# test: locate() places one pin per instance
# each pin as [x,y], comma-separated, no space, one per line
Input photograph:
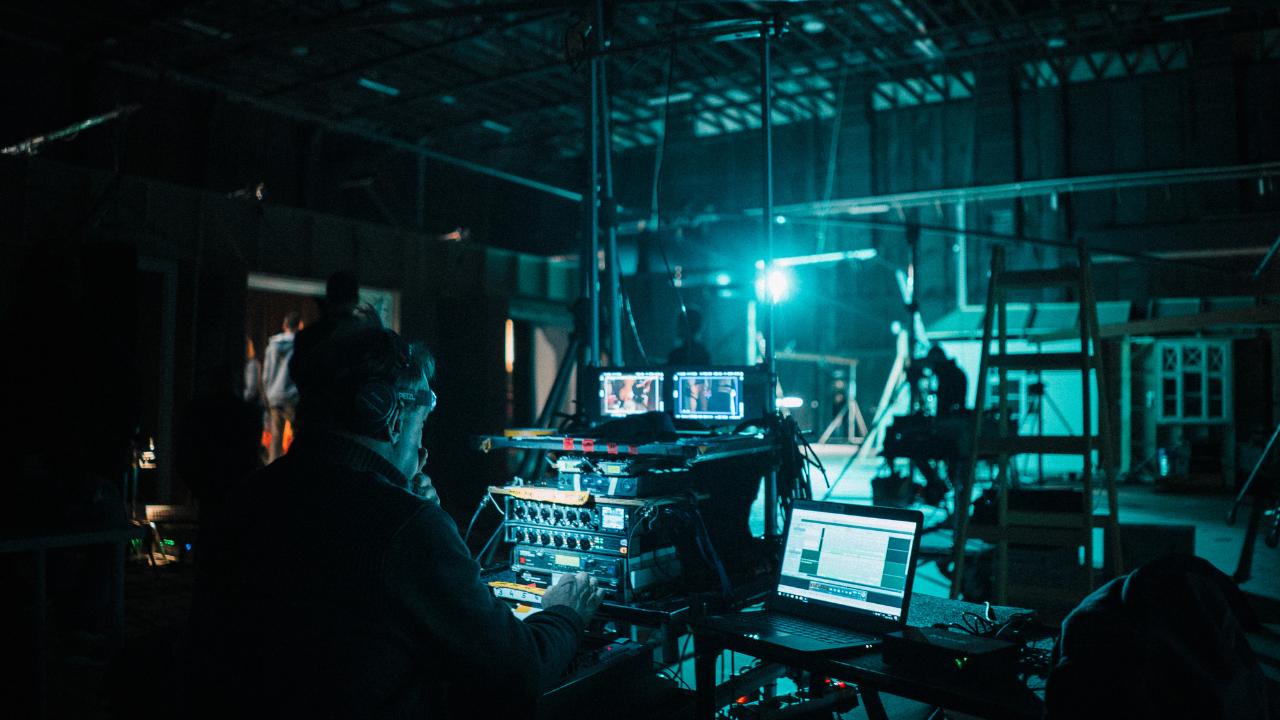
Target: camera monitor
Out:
[709,395]
[631,393]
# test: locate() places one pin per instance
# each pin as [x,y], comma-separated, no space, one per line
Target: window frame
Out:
[1176,361]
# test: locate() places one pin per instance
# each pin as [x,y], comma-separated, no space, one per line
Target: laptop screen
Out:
[848,561]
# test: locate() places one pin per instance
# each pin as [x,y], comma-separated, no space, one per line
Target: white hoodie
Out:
[276,379]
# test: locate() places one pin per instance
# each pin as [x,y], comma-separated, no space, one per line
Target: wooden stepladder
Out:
[1061,529]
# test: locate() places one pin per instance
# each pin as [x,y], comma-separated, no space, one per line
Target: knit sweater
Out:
[328,590]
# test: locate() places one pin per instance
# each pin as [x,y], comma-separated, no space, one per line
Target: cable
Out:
[657,177]
[483,501]
[793,473]
[474,517]
[679,663]
[626,300]
[497,532]
[725,586]
[1020,629]
[672,675]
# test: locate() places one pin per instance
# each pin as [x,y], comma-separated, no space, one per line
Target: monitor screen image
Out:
[630,393]
[709,395]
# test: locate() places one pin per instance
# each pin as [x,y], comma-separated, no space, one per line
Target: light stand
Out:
[608,207]
[771,530]
[599,140]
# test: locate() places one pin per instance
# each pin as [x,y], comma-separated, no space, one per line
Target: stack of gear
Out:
[557,532]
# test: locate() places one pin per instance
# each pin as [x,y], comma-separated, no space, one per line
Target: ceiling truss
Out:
[472,77]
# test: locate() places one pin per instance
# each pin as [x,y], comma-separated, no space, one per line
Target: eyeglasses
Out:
[418,398]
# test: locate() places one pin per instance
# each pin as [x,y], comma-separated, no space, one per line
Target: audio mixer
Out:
[556,532]
[600,528]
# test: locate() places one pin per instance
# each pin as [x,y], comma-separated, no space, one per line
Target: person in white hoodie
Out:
[282,395]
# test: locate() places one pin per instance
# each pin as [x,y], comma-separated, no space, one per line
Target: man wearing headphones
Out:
[334,586]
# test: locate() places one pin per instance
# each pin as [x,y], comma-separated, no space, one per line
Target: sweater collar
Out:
[333,448]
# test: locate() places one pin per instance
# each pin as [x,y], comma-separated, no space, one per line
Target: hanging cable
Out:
[493,537]
[657,176]
[626,300]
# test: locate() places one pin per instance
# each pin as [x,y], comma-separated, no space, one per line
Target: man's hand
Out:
[423,488]
[576,591]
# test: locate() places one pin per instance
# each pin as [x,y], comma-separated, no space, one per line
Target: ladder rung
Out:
[1036,445]
[1026,535]
[1046,519]
[1048,277]
[1040,361]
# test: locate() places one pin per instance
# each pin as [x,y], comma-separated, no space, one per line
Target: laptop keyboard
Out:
[802,628]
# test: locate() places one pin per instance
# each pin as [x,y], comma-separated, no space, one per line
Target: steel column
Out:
[610,213]
[591,267]
[766,112]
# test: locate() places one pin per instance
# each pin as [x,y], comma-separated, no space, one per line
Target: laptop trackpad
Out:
[797,642]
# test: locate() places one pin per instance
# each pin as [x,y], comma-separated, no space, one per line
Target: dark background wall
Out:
[1218,106]
[195,138]
[214,242]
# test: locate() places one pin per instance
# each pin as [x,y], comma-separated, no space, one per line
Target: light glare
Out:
[778,285]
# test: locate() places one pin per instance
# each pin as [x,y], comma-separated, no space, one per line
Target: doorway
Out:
[272,297]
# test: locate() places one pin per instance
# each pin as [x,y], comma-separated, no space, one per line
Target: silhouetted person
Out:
[377,609]
[1165,641]
[282,394]
[952,384]
[690,351]
[252,391]
[217,442]
[341,293]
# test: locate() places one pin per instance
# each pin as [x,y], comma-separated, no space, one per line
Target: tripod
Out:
[1244,567]
[1036,399]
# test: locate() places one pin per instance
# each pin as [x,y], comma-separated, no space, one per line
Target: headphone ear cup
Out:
[373,406]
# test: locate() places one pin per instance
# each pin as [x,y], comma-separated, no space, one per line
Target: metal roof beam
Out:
[403,55]
[1029,188]
[337,126]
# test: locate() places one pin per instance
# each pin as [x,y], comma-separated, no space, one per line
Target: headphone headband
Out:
[376,398]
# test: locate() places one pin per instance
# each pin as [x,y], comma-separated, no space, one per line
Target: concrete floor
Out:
[1215,541]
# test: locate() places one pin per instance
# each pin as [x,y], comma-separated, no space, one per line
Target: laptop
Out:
[845,580]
